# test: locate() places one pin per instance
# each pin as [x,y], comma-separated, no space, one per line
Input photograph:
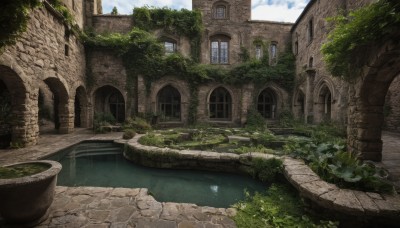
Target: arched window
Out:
[219,49]
[311,62]
[325,103]
[220,104]
[220,10]
[273,53]
[117,106]
[169,104]
[266,104]
[310,30]
[259,52]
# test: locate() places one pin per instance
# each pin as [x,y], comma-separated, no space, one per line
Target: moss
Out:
[22,170]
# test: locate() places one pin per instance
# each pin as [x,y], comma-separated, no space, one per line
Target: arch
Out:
[220,104]
[60,104]
[108,99]
[13,105]
[221,10]
[323,103]
[267,103]
[299,104]
[169,104]
[80,107]
[381,66]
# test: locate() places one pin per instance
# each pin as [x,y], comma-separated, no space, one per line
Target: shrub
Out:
[138,124]
[128,134]
[280,206]
[102,119]
[286,118]
[255,121]
[266,170]
[152,140]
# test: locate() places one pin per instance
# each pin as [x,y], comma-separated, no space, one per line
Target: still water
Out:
[102,164]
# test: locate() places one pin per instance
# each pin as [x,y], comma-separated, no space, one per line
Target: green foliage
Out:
[102,119]
[324,132]
[280,206]
[253,149]
[184,22]
[14,19]
[255,121]
[333,164]
[138,124]
[244,54]
[114,11]
[266,170]
[152,140]
[352,32]
[63,10]
[129,133]
[286,118]
[22,170]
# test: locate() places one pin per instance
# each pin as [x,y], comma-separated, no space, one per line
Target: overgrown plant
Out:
[14,19]
[255,121]
[351,32]
[280,206]
[333,164]
[102,119]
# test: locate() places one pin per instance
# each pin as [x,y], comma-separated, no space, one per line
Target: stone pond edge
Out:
[308,183]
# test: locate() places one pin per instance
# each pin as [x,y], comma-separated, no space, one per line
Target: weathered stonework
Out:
[50,60]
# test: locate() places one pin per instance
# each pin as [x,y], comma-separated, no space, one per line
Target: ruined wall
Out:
[311,74]
[392,106]
[112,23]
[44,53]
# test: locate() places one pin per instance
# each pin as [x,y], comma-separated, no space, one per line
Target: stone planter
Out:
[25,200]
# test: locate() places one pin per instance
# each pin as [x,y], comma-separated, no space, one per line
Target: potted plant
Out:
[27,191]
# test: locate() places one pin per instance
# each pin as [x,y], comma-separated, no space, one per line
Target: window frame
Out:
[220,5]
[166,98]
[220,39]
[226,104]
[273,53]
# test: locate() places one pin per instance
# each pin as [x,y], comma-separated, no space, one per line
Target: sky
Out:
[271,10]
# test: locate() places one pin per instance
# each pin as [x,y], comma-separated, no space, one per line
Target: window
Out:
[296,47]
[259,52]
[117,106]
[310,30]
[169,104]
[220,12]
[219,49]
[266,104]
[311,62]
[273,53]
[170,47]
[66,50]
[220,104]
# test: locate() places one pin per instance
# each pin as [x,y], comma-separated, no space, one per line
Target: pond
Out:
[102,164]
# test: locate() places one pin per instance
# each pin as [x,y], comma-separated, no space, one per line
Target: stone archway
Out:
[15,113]
[80,108]
[109,100]
[367,98]
[323,104]
[220,105]
[299,104]
[267,104]
[169,104]
[61,113]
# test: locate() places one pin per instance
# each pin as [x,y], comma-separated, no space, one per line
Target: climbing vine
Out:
[14,19]
[143,54]
[353,31]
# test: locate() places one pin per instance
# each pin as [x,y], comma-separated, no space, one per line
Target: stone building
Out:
[49,73]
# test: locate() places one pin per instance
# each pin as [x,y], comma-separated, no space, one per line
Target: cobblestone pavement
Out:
[92,207]
[118,207]
[391,155]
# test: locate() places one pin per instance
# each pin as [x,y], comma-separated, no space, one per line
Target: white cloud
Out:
[272,10]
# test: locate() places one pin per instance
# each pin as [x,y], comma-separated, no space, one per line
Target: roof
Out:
[305,11]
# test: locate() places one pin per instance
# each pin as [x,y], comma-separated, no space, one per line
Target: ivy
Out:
[14,19]
[352,32]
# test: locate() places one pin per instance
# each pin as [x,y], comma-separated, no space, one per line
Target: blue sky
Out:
[273,10]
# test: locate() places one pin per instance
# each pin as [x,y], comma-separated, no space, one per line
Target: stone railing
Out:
[363,206]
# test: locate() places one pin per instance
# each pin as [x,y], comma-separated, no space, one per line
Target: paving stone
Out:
[119,202]
[69,220]
[121,214]
[190,224]
[347,203]
[152,223]
[302,179]
[367,203]
[170,211]
[100,204]
[316,188]
[98,215]
[125,192]
[149,207]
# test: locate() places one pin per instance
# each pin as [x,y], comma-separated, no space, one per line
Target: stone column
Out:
[66,116]
[309,98]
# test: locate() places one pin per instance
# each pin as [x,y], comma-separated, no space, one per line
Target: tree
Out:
[114,11]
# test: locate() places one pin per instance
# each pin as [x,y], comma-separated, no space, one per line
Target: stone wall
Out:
[392,107]
[112,23]
[43,53]
[311,74]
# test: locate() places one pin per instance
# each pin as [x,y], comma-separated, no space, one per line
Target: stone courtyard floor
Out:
[121,207]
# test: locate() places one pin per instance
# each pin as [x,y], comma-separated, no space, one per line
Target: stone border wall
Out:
[365,206]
